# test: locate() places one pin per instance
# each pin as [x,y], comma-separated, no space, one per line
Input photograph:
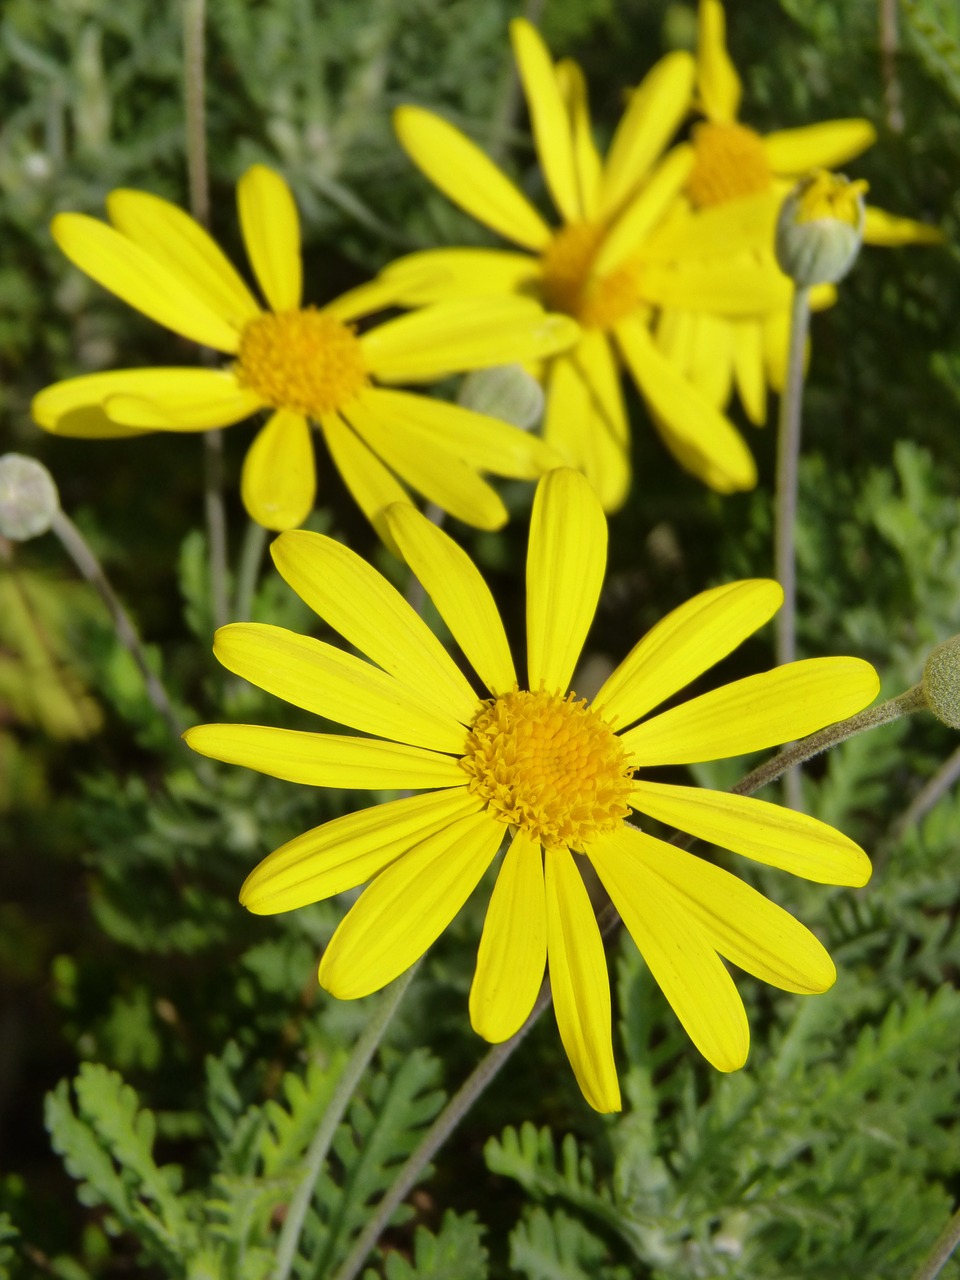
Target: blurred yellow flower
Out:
[732,162]
[301,364]
[556,775]
[606,265]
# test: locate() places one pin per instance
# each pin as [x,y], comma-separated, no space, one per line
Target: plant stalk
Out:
[940,1254]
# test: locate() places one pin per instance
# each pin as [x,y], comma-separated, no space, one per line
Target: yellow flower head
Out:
[301,364]
[820,228]
[556,776]
[611,260]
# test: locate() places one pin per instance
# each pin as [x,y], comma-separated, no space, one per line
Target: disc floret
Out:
[302,360]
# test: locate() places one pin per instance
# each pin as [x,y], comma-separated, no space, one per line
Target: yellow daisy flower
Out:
[731,161]
[302,364]
[553,773]
[606,265]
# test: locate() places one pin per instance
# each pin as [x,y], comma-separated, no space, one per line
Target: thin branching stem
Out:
[925,799]
[785,518]
[487,1068]
[316,1158]
[83,557]
[251,558]
[942,1251]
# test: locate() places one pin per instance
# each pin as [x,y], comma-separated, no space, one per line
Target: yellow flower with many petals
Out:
[733,162]
[301,364]
[553,773]
[606,265]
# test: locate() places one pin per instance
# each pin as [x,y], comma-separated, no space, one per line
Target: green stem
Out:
[251,558]
[941,1252]
[434,1138]
[216,525]
[925,799]
[83,557]
[785,519]
[488,1066]
[363,1051]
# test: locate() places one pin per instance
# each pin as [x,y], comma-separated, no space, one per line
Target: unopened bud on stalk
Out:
[505,391]
[941,682]
[28,497]
[820,228]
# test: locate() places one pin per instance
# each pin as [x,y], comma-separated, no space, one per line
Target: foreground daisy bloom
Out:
[556,775]
[301,364]
[606,265]
[732,162]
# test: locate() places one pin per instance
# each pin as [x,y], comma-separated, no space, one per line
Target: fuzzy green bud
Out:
[28,497]
[941,682]
[820,228]
[505,391]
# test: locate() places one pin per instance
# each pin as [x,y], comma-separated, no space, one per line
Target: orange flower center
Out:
[302,360]
[550,766]
[729,162]
[568,286]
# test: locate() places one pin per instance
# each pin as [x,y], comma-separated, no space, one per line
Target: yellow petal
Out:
[463,599]
[711,357]
[374,295]
[776,342]
[767,833]
[548,118]
[439,275]
[179,399]
[694,431]
[748,369]
[325,759]
[472,333]
[718,85]
[180,244]
[793,152]
[334,684]
[656,108]
[341,854]
[407,907]
[475,438]
[684,644]
[468,177]
[565,565]
[641,213]
[271,234]
[737,286]
[440,476]
[206,397]
[881,228]
[279,480]
[744,225]
[141,280]
[585,419]
[372,485]
[358,602]
[739,922]
[578,978]
[513,946]
[760,711]
[682,960]
[586,159]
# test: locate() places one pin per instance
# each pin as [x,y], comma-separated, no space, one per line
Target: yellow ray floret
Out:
[550,775]
[300,364]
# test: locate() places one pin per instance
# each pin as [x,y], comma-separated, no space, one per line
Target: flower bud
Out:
[820,228]
[505,391]
[28,497]
[941,682]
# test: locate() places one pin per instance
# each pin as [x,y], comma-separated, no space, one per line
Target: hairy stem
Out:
[785,518]
[940,1254]
[83,557]
[316,1158]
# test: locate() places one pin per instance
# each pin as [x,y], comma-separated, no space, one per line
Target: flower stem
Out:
[363,1051]
[251,558]
[431,1142]
[941,1252]
[788,461]
[83,557]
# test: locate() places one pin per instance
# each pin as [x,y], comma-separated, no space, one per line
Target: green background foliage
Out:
[183,1048]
